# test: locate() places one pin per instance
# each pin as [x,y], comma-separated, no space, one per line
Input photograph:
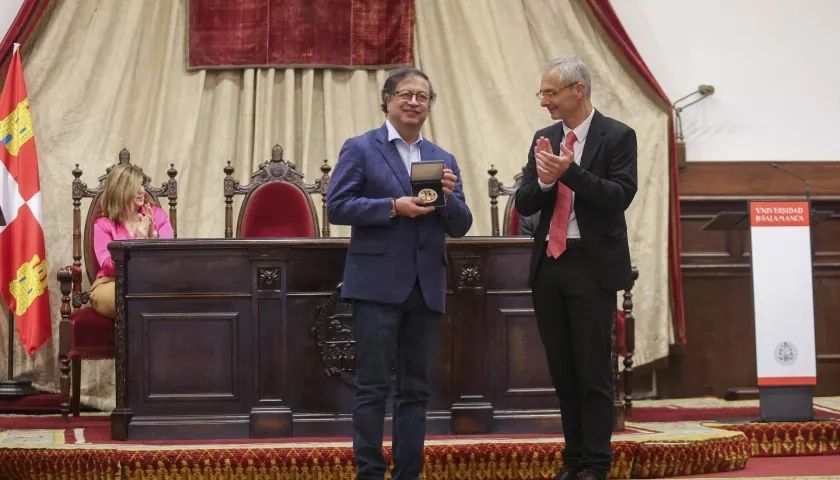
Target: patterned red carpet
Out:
[665,439]
[85,450]
[820,437]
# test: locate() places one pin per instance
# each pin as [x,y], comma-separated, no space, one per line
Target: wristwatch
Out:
[393,207]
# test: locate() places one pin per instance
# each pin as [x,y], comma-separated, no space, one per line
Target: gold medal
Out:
[428,195]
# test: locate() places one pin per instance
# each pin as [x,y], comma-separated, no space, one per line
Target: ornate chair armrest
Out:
[70,284]
[65,279]
[65,328]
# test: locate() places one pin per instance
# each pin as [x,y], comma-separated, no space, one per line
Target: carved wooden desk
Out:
[238,338]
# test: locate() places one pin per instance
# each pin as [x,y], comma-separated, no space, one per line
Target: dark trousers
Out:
[575,317]
[409,333]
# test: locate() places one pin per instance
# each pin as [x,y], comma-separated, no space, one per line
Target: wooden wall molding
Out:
[719,356]
[758,178]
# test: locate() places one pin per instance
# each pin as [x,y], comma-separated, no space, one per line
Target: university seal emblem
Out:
[786,353]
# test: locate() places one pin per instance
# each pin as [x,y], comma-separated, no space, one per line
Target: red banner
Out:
[300,33]
[779,214]
[23,258]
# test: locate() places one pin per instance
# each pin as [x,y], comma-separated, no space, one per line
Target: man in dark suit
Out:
[395,271]
[581,177]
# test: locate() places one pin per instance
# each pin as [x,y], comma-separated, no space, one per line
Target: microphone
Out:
[807,186]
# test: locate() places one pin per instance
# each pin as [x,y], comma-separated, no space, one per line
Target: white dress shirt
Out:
[409,153]
[581,132]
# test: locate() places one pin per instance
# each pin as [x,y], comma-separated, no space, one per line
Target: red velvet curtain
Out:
[20,29]
[295,33]
[608,19]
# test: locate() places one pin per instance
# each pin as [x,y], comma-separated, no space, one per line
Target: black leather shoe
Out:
[587,474]
[565,474]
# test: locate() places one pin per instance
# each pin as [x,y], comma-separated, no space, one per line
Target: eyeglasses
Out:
[550,93]
[405,96]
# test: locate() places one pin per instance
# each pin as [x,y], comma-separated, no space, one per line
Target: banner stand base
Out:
[19,389]
[786,404]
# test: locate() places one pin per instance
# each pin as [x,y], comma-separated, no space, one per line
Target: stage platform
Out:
[665,438]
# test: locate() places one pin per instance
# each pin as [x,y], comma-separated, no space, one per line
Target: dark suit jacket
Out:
[604,183]
[388,255]
[528,225]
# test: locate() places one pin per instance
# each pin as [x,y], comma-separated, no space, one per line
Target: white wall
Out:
[775,65]
[8,11]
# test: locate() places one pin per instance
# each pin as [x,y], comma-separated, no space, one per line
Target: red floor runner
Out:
[673,414]
[40,403]
[782,467]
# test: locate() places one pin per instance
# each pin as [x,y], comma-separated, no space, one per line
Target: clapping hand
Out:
[550,166]
[543,145]
[147,225]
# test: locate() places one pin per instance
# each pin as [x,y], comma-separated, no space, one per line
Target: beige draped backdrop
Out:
[111,74]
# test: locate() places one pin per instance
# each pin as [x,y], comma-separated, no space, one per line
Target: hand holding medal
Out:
[448,181]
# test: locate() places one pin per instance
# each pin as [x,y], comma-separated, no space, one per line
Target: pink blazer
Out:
[105,232]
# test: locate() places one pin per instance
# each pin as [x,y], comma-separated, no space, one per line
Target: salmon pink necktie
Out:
[562,212]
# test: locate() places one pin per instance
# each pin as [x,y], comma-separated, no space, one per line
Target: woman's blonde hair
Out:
[122,183]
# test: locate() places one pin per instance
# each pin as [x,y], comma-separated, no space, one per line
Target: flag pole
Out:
[12,388]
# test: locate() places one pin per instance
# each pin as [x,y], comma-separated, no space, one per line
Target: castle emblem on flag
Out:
[16,128]
[31,282]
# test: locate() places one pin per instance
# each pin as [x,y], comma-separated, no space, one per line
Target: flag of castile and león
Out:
[23,264]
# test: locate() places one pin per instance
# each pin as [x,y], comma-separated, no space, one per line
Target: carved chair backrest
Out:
[80,190]
[276,184]
[497,188]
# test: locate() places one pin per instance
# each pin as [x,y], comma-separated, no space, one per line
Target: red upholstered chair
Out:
[510,227]
[623,329]
[277,203]
[84,334]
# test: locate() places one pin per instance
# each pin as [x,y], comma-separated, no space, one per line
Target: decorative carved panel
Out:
[470,277]
[268,279]
[334,334]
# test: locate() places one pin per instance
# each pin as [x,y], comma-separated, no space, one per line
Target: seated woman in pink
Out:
[124,213]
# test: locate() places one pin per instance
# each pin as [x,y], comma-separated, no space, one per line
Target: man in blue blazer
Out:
[395,272]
